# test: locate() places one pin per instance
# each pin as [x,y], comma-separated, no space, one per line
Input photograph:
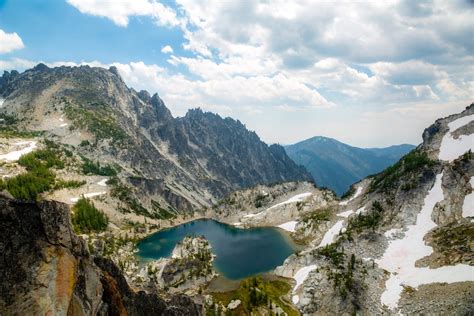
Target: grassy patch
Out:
[257,293]
[98,121]
[68,184]
[87,218]
[317,216]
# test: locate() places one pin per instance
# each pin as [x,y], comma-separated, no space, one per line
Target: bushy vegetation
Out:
[90,167]
[370,220]
[256,293]
[38,178]
[87,218]
[98,121]
[8,128]
[68,184]
[259,199]
[317,216]
[412,162]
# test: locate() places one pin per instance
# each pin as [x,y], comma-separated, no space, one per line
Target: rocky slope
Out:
[337,166]
[175,164]
[402,241]
[47,270]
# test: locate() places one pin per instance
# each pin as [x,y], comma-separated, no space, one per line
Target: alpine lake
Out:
[240,252]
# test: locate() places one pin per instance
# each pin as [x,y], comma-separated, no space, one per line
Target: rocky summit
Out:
[180,163]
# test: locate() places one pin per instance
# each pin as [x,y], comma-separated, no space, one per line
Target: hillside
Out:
[337,166]
[401,241]
[161,165]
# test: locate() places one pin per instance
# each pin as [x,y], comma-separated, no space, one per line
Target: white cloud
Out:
[119,11]
[167,49]
[9,42]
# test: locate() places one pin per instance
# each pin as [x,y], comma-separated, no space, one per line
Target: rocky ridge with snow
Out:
[404,238]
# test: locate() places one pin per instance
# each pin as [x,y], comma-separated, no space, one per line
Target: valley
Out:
[129,206]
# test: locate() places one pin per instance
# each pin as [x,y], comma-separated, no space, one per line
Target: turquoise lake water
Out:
[239,252]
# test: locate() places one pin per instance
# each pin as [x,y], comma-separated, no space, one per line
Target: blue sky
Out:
[367,73]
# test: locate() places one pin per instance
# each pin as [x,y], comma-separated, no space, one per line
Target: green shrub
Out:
[87,218]
[413,161]
[29,185]
[65,184]
[90,167]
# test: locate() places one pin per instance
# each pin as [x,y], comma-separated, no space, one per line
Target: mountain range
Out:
[179,163]
[337,166]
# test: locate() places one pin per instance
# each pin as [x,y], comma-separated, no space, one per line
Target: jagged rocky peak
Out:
[184,163]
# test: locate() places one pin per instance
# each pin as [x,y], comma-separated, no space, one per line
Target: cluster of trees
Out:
[87,218]
[90,167]
[38,178]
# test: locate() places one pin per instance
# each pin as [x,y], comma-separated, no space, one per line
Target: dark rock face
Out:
[46,269]
[199,153]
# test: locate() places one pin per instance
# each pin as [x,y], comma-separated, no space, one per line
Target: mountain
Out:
[337,166]
[401,243]
[175,164]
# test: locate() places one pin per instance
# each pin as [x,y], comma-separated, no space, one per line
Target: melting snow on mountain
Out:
[16,154]
[401,254]
[452,148]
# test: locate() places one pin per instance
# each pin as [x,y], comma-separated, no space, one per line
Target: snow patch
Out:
[401,254]
[358,192]
[88,195]
[297,198]
[102,182]
[63,125]
[361,210]
[1,102]
[295,299]
[15,155]
[346,214]
[301,275]
[468,204]
[289,226]
[331,234]
[451,148]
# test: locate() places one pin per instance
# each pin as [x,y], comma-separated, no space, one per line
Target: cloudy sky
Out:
[369,73]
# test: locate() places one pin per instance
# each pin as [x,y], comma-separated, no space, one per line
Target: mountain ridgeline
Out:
[337,166]
[183,163]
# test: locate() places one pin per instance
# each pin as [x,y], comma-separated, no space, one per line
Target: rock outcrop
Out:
[47,270]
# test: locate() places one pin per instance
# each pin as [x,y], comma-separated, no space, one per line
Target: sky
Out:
[368,73]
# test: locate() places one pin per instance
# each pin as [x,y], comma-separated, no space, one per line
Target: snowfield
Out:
[331,234]
[102,182]
[451,148]
[401,254]
[88,195]
[468,205]
[15,155]
[289,226]
[300,276]
[358,192]
[346,214]
[297,198]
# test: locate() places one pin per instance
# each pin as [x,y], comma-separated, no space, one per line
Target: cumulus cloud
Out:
[119,11]
[167,49]
[9,42]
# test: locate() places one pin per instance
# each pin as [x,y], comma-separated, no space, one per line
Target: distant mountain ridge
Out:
[337,166]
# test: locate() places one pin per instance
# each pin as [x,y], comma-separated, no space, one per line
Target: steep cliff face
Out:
[47,270]
[402,243]
[185,162]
